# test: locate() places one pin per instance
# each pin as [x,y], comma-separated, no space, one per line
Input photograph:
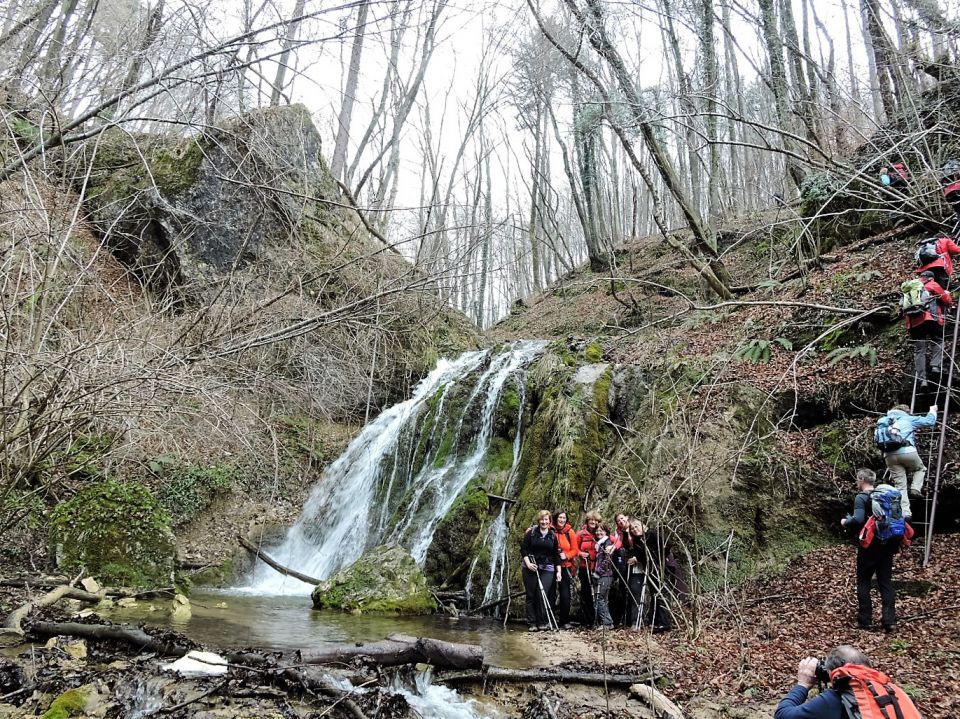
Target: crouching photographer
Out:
[853,688]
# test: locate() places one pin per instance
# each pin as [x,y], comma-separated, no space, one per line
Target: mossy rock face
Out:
[385,580]
[116,531]
[454,538]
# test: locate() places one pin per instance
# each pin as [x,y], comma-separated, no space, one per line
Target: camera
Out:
[823,676]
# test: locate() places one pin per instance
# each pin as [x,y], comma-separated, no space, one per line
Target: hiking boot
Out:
[544,627]
[533,628]
[915,494]
[568,625]
[659,629]
[889,628]
[866,626]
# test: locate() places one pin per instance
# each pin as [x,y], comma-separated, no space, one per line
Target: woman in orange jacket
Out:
[570,551]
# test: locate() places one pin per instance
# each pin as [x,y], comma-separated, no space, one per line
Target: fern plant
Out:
[866,353]
[757,351]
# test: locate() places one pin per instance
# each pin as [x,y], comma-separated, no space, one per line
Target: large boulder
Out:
[181,211]
[385,580]
[116,531]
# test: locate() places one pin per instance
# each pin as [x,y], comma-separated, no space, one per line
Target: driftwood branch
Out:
[401,649]
[12,624]
[497,674]
[498,498]
[662,707]
[270,562]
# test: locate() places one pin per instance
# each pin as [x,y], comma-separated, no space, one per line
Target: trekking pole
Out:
[643,594]
[551,620]
[626,583]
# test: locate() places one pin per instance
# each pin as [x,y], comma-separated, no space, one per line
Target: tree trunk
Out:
[289,39]
[338,161]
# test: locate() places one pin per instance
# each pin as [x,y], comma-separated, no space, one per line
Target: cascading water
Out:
[403,473]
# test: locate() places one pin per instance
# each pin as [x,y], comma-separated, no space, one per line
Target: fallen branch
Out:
[921,615]
[258,553]
[498,674]
[497,602]
[324,687]
[662,707]
[123,634]
[500,499]
[52,583]
[401,649]
[212,690]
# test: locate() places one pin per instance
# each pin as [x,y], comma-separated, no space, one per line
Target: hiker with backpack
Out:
[878,519]
[950,179]
[895,437]
[540,550]
[855,689]
[935,254]
[924,303]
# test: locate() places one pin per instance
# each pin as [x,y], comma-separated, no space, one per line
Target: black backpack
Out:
[927,251]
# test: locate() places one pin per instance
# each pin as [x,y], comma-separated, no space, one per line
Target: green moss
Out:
[175,166]
[71,703]
[385,580]
[117,531]
[594,352]
[188,490]
[500,455]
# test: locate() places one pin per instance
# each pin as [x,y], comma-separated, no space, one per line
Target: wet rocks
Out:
[385,580]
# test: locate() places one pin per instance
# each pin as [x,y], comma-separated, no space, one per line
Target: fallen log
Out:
[662,707]
[496,602]
[119,592]
[401,649]
[499,674]
[270,562]
[132,636]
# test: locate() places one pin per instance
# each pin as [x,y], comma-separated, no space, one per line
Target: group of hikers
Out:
[926,298]
[625,570]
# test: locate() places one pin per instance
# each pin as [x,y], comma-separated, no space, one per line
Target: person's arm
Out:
[942,295]
[926,420]
[795,705]
[526,550]
[950,246]
[860,509]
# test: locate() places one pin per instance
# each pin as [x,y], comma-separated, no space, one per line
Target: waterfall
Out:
[402,474]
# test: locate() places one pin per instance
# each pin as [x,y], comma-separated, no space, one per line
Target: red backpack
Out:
[869,694]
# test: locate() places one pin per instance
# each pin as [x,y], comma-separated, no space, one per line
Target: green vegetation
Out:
[188,490]
[117,531]
[71,703]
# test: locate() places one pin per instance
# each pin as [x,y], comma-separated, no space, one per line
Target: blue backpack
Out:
[887,435]
[885,501]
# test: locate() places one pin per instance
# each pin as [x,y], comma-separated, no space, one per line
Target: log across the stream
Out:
[399,649]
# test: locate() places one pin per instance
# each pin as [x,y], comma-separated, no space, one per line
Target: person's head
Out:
[636,528]
[601,530]
[901,408]
[622,521]
[927,275]
[845,654]
[543,519]
[884,170]
[559,519]
[592,520]
[866,478]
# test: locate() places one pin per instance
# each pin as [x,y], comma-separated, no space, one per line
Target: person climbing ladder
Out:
[924,304]
[895,437]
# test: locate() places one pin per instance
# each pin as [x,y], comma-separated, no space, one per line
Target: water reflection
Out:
[288,623]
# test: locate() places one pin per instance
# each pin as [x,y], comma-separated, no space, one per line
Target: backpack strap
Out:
[849,702]
[885,700]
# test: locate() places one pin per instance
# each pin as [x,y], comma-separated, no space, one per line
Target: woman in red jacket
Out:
[587,542]
[935,255]
[926,327]
[570,551]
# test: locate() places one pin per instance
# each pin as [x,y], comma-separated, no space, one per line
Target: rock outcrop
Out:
[385,580]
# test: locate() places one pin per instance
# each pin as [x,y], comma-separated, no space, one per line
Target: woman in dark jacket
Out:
[541,565]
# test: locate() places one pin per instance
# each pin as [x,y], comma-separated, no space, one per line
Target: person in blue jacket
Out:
[827,704]
[907,459]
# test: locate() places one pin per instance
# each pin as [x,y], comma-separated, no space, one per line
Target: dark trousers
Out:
[535,608]
[618,596]
[560,596]
[588,614]
[877,559]
[635,600]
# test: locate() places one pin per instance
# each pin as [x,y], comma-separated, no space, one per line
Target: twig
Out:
[204,695]
[921,615]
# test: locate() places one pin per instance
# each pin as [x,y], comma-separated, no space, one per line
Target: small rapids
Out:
[386,485]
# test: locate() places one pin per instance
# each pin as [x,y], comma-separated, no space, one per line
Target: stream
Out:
[288,623]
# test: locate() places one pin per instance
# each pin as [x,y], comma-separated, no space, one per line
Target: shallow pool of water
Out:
[288,623]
